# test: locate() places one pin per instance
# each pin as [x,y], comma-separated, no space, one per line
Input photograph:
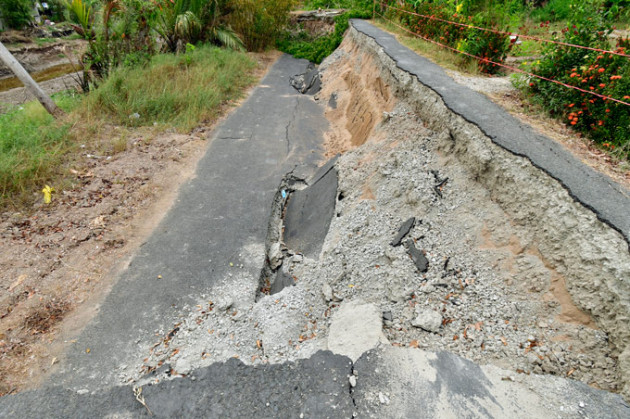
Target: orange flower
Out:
[600,123]
[602,85]
[574,122]
[601,70]
[607,110]
[571,105]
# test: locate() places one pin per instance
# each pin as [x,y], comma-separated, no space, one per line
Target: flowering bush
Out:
[489,47]
[605,121]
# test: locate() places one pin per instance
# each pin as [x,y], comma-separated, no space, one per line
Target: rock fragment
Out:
[275,256]
[418,257]
[327,292]
[403,231]
[355,329]
[428,320]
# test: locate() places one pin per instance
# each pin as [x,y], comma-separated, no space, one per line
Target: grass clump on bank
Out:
[180,90]
[32,145]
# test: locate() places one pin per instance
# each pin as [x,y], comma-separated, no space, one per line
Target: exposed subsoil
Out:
[465,276]
[58,261]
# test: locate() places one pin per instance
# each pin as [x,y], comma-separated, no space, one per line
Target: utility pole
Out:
[9,60]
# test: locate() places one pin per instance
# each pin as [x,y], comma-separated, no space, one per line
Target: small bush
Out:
[16,13]
[605,121]
[315,50]
[552,11]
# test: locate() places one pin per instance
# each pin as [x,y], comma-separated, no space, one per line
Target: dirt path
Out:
[58,261]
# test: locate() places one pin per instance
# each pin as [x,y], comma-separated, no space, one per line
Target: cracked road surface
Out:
[223,209]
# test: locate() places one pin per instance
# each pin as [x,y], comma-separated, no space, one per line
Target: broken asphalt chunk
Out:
[309,82]
[403,231]
[418,257]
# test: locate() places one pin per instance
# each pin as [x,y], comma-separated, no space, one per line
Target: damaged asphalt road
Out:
[222,210]
[223,233]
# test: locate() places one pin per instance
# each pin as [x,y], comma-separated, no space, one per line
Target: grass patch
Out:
[32,145]
[179,90]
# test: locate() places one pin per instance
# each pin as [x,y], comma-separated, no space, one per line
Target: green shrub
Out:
[355,5]
[16,13]
[315,50]
[489,47]
[552,11]
[259,22]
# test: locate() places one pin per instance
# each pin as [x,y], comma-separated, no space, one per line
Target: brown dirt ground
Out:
[58,261]
[361,100]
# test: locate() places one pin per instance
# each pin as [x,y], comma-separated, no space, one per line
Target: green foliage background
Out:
[16,13]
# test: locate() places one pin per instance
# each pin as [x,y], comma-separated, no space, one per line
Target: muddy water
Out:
[39,76]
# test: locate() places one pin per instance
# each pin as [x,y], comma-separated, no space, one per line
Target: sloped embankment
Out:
[527,249]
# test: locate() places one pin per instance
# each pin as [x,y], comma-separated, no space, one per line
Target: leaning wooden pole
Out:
[9,60]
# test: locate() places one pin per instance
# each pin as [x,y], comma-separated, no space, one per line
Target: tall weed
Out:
[32,144]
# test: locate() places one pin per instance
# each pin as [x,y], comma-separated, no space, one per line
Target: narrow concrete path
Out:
[220,218]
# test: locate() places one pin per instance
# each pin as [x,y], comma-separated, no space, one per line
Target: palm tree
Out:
[189,21]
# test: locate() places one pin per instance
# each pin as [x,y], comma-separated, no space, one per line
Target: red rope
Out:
[518,70]
[509,33]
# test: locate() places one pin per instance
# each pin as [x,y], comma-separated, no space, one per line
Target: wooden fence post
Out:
[9,60]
